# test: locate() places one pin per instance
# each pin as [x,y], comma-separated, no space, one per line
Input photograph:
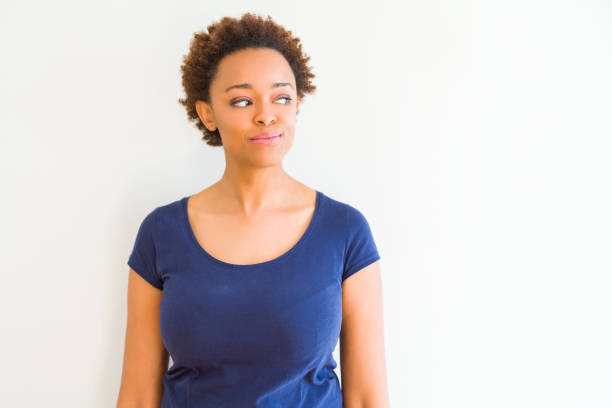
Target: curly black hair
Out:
[229,35]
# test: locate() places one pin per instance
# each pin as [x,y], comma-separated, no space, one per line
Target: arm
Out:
[145,358]
[362,355]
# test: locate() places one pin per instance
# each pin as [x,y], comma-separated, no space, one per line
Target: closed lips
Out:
[266,136]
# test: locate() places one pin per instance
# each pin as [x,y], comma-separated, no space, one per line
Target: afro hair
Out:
[229,35]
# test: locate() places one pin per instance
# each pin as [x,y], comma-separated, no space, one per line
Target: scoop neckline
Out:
[273,261]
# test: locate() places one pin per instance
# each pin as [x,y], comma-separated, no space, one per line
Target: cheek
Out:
[234,123]
[289,119]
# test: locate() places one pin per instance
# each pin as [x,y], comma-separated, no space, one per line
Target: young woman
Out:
[246,283]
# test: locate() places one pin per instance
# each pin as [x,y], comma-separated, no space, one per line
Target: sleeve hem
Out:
[136,268]
[358,267]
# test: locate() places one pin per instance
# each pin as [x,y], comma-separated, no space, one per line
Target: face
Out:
[253,92]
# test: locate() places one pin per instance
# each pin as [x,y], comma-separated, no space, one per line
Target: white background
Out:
[474,136]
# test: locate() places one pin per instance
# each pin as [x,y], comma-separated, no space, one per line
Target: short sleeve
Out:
[361,249]
[143,257]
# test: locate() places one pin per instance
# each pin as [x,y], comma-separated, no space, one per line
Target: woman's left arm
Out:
[362,350]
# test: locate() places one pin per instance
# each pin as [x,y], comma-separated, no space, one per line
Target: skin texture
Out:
[362,349]
[145,358]
[256,201]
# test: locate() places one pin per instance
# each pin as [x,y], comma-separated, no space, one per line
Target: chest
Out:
[247,240]
[253,313]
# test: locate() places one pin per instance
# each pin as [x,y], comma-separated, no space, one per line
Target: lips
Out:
[266,135]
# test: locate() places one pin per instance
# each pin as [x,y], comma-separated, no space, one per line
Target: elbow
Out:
[366,401]
[137,402]
[122,404]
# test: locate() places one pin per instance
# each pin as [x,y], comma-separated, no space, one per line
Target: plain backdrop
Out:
[475,136]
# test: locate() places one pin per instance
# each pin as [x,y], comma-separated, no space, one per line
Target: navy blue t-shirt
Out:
[257,335]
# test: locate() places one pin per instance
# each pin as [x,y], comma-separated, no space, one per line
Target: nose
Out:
[265,116]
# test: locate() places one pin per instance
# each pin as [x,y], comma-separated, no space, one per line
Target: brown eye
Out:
[238,101]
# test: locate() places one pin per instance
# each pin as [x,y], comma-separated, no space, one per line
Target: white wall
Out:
[475,137]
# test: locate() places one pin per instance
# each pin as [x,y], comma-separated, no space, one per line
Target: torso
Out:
[238,239]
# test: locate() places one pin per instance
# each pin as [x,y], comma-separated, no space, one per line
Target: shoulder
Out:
[156,214]
[350,216]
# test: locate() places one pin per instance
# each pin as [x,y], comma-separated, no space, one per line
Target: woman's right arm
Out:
[145,358]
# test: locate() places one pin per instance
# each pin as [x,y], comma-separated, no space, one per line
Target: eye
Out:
[236,102]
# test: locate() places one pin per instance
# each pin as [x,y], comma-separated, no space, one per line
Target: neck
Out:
[255,190]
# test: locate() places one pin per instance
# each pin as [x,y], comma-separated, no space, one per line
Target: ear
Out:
[297,103]
[206,115]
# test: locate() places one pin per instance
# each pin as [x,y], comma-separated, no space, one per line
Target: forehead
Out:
[259,67]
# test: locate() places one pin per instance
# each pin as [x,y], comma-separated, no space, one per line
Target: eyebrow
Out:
[249,86]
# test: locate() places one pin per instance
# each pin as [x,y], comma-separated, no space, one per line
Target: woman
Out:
[245,283]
